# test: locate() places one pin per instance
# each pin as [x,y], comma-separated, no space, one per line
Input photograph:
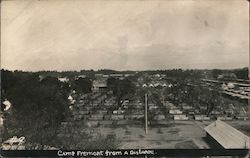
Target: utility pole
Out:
[146,113]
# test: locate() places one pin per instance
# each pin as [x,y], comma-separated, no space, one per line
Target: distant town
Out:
[125,109]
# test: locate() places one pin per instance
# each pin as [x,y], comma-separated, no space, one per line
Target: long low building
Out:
[227,136]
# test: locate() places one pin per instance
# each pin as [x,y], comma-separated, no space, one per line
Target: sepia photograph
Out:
[125,78]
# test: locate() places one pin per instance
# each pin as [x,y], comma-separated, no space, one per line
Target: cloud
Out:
[74,35]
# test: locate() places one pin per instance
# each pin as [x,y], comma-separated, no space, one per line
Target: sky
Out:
[124,35]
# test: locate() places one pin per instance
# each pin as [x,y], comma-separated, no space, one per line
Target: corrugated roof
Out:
[227,136]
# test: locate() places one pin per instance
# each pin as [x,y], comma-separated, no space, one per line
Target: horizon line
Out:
[96,70]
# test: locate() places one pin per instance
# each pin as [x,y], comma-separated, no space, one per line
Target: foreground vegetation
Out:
[38,106]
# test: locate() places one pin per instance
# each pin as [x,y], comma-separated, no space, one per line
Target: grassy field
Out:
[181,134]
[243,126]
[178,134]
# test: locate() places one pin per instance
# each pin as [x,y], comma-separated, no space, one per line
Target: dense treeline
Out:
[231,74]
[177,73]
[196,74]
[38,106]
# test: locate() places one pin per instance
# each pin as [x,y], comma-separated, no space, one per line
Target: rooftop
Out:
[227,136]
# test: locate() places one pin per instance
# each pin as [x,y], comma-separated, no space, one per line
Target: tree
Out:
[37,107]
[82,85]
[216,72]
[121,88]
[242,73]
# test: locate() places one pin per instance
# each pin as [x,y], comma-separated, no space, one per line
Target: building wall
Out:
[212,142]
